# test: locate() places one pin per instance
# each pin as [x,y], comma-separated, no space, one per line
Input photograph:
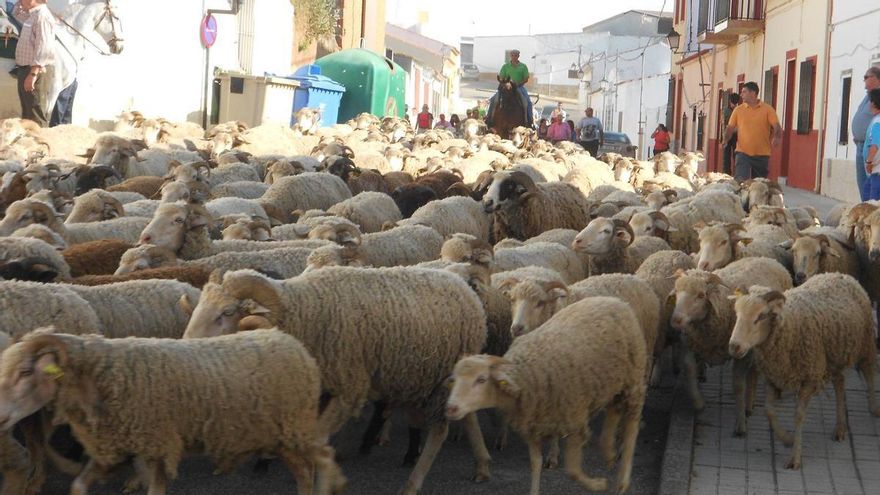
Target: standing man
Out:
[557,112]
[424,119]
[590,133]
[859,127]
[732,101]
[518,73]
[754,122]
[34,59]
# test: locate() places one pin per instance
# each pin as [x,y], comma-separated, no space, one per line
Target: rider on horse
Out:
[518,73]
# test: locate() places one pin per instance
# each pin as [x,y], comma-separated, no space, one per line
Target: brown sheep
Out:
[96,257]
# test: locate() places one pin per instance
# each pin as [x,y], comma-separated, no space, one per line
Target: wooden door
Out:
[788,119]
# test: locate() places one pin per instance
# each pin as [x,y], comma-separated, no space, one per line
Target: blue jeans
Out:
[872,188]
[861,175]
[527,102]
[63,111]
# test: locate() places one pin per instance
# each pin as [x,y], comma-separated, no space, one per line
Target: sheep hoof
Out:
[501,443]
[739,432]
[551,463]
[132,485]
[793,464]
[482,477]
[840,433]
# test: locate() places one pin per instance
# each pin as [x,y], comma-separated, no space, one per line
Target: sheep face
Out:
[531,303]
[666,162]
[224,309]
[43,233]
[507,188]
[145,257]
[478,382]
[29,376]
[95,206]
[642,224]
[26,212]
[623,170]
[32,269]
[602,236]
[465,248]
[170,224]
[115,151]
[756,315]
[692,303]
[247,230]
[807,253]
[411,197]
[655,200]
[872,227]
[217,313]
[717,245]
[175,191]
[325,256]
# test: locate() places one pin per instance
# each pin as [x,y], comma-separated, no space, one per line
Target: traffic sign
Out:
[209,30]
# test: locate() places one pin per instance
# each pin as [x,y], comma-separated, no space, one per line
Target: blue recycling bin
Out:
[317,91]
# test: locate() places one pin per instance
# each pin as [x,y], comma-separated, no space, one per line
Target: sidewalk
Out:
[703,457]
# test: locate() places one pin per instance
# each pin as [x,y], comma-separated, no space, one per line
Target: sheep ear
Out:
[483,256]
[185,304]
[745,240]
[254,308]
[670,299]
[786,244]
[500,374]
[506,285]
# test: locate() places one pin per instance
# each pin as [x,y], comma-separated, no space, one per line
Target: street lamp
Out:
[674,40]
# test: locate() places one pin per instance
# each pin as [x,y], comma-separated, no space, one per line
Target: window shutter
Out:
[670,106]
[805,97]
[769,88]
[843,138]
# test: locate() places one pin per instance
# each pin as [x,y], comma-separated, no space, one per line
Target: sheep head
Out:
[718,245]
[25,212]
[532,302]
[30,269]
[33,370]
[334,255]
[114,151]
[95,206]
[171,222]
[696,293]
[97,177]
[188,172]
[757,313]
[602,236]
[465,248]
[246,229]
[344,234]
[808,252]
[43,233]
[144,257]
[651,223]
[480,382]
[507,188]
[224,303]
[282,168]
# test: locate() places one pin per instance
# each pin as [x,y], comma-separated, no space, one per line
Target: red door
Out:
[788,119]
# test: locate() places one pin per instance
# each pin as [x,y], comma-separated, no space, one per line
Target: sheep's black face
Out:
[342,168]
[499,193]
[410,199]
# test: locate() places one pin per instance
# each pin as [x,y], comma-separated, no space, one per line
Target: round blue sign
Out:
[209,30]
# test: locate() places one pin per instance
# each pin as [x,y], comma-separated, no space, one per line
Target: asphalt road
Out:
[381,472]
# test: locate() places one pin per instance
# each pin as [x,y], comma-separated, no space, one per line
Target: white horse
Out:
[85,26]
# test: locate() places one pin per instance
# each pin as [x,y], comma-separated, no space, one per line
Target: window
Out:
[670,107]
[701,126]
[846,89]
[806,96]
[769,92]
[684,124]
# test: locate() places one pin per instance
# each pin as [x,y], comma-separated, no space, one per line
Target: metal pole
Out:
[641,107]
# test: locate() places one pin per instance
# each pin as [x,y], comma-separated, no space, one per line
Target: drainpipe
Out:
[820,158]
[235,6]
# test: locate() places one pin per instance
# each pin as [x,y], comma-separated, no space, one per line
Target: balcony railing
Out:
[726,20]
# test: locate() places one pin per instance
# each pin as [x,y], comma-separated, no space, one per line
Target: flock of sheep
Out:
[272,281]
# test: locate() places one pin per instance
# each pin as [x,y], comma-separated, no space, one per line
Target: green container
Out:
[372,83]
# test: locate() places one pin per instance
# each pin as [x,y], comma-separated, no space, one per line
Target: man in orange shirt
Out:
[757,128]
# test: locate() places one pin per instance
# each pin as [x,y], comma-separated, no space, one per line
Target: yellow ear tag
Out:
[53,370]
[738,293]
[503,383]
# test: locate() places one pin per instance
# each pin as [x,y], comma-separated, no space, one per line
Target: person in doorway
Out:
[34,59]
[661,139]
[871,147]
[590,133]
[558,111]
[442,123]
[455,122]
[859,127]
[558,131]
[518,73]
[732,101]
[758,130]
[424,119]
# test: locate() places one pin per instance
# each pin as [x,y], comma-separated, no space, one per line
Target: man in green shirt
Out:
[519,74]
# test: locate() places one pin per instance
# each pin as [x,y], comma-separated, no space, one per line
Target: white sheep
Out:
[305,191]
[28,305]
[452,215]
[590,356]
[803,338]
[613,247]
[369,210]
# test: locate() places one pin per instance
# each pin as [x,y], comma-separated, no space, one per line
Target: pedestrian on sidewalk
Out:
[871,147]
[542,129]
[859,126]
[558,111]
[661,139]
[34,59]
[559,130]
[424,119]
[591,133]
[572,136]
[733,100]
[455,122]
[757,128]
[443,123]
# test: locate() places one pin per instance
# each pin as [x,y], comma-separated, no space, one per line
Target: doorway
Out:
[788,118]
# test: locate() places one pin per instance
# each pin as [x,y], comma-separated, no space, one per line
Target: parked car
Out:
[470,71]
[616,142]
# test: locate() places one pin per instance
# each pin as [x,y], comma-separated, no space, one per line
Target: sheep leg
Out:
[501,442]
[608,437]
[772,418]
[690,368]
[334,415]
[840,395]
[158,478]
[374,427]
[329,477]
[574,452]
[436,436]
[91,472]
[751,388]
[799,413]
[535,460]
[867,367]
[301,470]
[553,454]
[414,436]
[628,440]
[478,445]
[740,371]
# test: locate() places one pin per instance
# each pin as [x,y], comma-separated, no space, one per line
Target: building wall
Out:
[357,22]
[855,45]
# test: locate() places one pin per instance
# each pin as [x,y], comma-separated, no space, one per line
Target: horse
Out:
[509,112]
[76,32]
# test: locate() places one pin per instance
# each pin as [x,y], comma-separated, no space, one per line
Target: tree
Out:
[318,18]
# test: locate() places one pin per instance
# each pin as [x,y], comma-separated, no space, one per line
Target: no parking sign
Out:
[209,30]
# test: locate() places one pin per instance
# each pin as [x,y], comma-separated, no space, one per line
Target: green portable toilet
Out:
[372,83]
